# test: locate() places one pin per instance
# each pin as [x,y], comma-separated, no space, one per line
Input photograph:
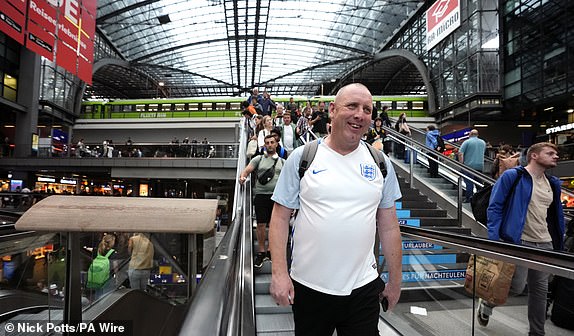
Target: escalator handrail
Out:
[223,303]
[454,166]
[486,178]
[555,262]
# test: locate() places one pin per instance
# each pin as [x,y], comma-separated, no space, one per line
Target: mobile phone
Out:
[385,304]
[383,299]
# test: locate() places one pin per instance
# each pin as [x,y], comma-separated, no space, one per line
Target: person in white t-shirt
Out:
[333,283]
[288,134]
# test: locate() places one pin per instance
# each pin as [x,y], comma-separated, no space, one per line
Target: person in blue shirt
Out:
[530,215]
[432,143]
[471,153]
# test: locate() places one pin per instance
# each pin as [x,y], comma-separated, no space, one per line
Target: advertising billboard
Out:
[442,19]
[60,30]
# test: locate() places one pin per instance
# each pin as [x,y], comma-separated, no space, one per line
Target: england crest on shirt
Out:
[369,171]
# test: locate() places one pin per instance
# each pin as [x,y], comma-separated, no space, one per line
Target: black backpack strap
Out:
[379,158]
[307,157]
[310,149]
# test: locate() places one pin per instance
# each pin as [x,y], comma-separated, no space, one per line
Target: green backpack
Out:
[99,271]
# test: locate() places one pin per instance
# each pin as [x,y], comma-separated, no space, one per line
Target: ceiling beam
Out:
[102,19]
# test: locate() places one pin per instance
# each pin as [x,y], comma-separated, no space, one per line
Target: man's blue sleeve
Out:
[498,199]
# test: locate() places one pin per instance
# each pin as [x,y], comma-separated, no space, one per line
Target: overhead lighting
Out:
[56,126]
[311,80]
[480,125]
[41,126]
[333,80]
[524,125]
[161,83]
[570,110]
[9,126]
[549,108]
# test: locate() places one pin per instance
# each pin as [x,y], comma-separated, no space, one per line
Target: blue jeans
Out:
[537,290]
[469,186]
[139,278]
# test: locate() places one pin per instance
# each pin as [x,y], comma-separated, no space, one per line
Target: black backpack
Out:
[480,200]
[310,150]
[440,144]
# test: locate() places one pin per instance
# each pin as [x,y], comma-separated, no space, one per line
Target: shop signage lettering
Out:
[560,128]
[68,181]
[153,115]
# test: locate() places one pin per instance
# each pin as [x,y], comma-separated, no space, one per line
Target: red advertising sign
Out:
[63,34]
[442,19]
[20,5]
[85,70]
[12,21]
[88,23]
[40,41]
[66,57]
[43,15]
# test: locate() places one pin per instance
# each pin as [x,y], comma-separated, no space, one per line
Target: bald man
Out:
[333,283]
[472,155]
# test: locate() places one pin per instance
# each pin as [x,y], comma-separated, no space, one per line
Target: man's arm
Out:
[281,285]
[248,170]
[390,237]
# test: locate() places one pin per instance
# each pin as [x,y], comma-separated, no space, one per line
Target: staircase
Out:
[425,264]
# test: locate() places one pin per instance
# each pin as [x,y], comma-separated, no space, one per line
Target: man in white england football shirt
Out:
[342,198]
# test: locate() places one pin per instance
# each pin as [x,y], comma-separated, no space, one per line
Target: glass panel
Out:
[10,94]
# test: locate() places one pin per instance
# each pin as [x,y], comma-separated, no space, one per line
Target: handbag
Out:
[251,148]
[490,279]
[267,174]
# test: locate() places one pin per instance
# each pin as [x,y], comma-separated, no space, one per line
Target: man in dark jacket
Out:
[530,215]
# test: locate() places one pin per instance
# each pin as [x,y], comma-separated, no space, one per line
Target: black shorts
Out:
[319,314]
[263,207]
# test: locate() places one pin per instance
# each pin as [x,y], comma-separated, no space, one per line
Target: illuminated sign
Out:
[561,128]
[46,179]
[60,30]
[68,181]
[442,19]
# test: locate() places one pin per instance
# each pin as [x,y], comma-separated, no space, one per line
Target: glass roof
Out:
[227,47]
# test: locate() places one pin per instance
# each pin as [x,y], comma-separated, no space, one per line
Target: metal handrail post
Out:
[459,201]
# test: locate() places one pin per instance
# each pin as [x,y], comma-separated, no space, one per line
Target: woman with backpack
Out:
[100,271]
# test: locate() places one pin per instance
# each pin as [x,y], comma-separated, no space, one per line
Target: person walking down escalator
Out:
[141,250]
[431,141]
[525,209]
[471,153]
[402,127]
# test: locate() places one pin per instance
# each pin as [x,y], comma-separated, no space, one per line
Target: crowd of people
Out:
[314,209]
[174,148]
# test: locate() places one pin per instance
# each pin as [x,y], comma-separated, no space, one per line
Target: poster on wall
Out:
[13,18]
[442,19]
[60,30]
